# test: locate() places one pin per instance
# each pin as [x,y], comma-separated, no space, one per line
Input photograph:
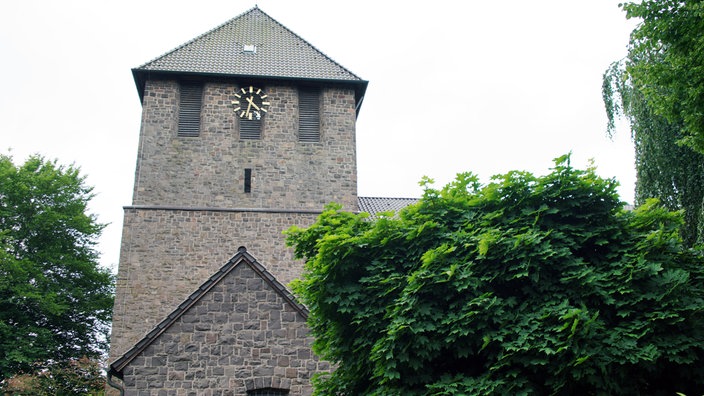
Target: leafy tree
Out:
[665,169]
[55,300]
[526,285]
[75,377]
[666,62]
[659,87]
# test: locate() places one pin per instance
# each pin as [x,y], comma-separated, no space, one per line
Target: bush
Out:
[526,285]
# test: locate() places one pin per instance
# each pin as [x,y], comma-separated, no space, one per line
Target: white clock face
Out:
[251,103]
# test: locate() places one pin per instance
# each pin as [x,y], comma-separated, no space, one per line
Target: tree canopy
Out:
[665,62]
[659,87]
[55,300]
[525,285]
[74,377]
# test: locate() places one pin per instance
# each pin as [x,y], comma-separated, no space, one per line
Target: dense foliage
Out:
[665,62]
[74,377]
[526,285]
[659,87]
[55,300]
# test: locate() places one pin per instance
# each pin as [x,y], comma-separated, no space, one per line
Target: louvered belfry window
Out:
[250,129]
[308,115]
[189,109]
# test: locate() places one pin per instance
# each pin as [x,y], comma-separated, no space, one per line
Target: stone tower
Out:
[246,130]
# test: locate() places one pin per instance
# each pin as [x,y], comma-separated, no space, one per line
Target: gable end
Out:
[241,258]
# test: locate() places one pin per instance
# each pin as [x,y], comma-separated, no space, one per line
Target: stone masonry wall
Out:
[168,254]
[208,170]
[240,336]
[171,243]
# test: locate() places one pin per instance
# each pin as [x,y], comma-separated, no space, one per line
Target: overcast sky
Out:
[481,86]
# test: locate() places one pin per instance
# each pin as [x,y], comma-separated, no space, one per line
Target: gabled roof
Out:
[241,258]
[375,205]
[279,54]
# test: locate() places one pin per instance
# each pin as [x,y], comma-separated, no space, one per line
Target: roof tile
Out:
[375,205]
[279,52]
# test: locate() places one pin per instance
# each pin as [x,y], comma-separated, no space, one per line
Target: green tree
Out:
[74,377]
[659,88]
[55,300]
[665,169]
[526,285]
[666,62]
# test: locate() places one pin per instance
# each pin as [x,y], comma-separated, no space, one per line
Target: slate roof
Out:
[241,258]
[280,54]
[375,205]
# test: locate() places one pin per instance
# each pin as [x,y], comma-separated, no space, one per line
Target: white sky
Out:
[481,86]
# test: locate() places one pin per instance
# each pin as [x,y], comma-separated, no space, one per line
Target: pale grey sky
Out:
[518,83]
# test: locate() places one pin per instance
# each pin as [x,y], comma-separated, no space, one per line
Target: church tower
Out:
[246,130]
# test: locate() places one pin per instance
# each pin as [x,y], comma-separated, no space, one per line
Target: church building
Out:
[246,130]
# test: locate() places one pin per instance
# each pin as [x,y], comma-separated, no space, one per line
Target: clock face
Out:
[251,103]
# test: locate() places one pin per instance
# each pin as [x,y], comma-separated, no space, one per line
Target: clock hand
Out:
[249,106]
[251,102]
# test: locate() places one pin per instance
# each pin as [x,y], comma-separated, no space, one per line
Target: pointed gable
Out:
[251,45]
[241,330]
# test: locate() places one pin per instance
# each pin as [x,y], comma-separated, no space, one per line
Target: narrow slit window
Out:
[308,115]
[191,98]
[248,180]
